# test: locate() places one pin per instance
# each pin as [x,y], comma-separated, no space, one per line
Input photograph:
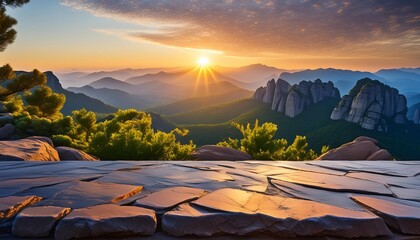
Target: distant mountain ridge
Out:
[75,101]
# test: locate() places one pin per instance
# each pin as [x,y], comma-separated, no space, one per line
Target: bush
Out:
[258,141]
[130,136]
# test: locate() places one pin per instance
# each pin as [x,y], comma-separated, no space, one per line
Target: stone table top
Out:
[213,199]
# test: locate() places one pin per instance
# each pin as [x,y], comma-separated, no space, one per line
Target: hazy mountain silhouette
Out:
[75,101]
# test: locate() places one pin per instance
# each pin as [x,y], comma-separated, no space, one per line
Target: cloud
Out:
[318,28]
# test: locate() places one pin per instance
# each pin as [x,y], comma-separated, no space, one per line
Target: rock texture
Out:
[373,105]
[404,218]
[10,206]
[231,200]
[362,148]
[68,153]
[38,221]
[233,211]
[106,220]
[293,100]
[28,149]
[7,131]
[213,152]
[169,198]
[416,118]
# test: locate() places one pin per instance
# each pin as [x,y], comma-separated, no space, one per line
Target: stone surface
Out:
[10,206]
[293,100]
[86,194]
[334,183]
[7,131]
[28,149]
[307,187]
[38,221]
[68,153]
[371,104]
[362,148]
[404,218]
[169,198]
[213,152]
[233,211]
[106,220]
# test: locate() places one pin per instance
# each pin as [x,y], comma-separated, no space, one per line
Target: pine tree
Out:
[43,102]
[7,33]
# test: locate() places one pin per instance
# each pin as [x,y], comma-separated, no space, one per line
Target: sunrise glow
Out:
[203,61]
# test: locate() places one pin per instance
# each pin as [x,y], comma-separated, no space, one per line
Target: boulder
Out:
[106,220]
[373,105]
[7,131]
[213,152]
[293,100]
[68,153]
[28,149]
[38,221]
[362,148]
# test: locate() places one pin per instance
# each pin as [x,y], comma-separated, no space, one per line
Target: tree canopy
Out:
[7,32]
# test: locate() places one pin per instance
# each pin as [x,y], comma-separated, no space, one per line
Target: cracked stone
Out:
[338,199]
[108,220]
[168,198]
[85,194]
[38,221]
[237,212]
[399,216]
[10,206]
[335,183]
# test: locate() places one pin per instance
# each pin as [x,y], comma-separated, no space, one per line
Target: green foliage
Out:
[15,105]
[85,122]
[18,83]
[7,33]
[130,136]
[44,103]
[259,142]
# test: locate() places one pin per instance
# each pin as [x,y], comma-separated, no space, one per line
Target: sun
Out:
[203,61]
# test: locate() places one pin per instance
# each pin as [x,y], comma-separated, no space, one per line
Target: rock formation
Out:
[38,148]
[293,100]
[373,105]
[362,148]
[416,118]
[68,153]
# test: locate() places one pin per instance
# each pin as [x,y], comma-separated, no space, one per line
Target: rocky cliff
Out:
[416,118]
[373,105]
[293,100]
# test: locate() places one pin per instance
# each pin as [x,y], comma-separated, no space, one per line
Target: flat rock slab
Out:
[86,194]
[38,221]
[10,206]
[233,211]
[169,198]
[334,183]
[402,217]
[339,199]
[106,220]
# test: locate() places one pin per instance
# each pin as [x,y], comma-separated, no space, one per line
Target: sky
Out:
[87,35]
